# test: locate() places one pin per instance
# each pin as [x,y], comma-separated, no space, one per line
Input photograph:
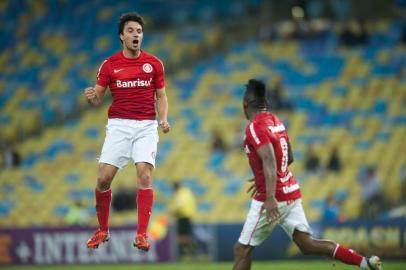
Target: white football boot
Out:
[374,263]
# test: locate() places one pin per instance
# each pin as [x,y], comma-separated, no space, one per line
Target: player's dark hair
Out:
[255,94]
[129,17]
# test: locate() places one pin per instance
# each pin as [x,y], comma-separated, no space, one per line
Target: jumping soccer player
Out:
[137,83]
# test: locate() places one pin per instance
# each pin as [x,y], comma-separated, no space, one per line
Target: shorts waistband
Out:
[130,121]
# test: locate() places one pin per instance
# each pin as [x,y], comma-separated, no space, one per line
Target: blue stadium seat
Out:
[232,187]
[72,178]
[81,194]
[61,210]
[6,207]
[163,187]
[33,183]
[195,186]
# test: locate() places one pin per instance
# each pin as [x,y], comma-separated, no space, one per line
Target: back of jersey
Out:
[263,129]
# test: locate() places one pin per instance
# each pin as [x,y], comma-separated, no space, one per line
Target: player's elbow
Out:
[267,158]
[269,162]
[160,94]
[161,98]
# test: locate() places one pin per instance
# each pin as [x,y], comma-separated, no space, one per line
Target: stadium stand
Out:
[353,98]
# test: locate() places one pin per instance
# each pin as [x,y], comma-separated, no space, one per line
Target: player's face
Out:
[132,36]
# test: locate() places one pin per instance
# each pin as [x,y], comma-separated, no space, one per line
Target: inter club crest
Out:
[147,68]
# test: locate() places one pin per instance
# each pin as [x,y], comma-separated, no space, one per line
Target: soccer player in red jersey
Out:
[277,197]
[137,84]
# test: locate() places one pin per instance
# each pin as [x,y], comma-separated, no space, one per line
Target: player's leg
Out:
[114,155]
[145,198]
[144,151]
[104,194]
[105,176]
[256,229]
[310,246]
[296,225]
[103,202]
[242,256]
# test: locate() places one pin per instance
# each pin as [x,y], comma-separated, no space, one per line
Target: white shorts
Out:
[130,139]
[256,229]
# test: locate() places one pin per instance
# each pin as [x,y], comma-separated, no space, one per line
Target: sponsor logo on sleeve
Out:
[277,128]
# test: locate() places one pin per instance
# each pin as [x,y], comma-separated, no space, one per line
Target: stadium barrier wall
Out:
[46,246]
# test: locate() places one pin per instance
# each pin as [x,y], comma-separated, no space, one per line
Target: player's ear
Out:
[121,37]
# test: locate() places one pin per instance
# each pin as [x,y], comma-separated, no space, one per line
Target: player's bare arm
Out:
[162,108]
[267,154]
[94,95]
[290,154]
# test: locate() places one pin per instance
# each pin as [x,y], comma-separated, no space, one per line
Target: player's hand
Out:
[253,188]
[271,209]
[90,93]
[164,125]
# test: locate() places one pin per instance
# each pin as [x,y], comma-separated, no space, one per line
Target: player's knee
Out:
[145,179]
[103,182]
[237,249]
[240,251]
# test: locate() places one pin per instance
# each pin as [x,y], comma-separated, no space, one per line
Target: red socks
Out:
[103,201]
[145,199]
[347,256]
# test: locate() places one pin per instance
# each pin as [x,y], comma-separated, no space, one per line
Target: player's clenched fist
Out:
[90,93]
[165,127]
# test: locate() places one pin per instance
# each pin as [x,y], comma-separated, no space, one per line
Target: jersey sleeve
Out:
[258,135]
[103,75]
[159,74]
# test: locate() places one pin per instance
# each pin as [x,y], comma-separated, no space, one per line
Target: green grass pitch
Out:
[276,265]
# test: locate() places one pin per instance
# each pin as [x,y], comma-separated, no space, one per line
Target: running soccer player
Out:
[136,81]
[277,199]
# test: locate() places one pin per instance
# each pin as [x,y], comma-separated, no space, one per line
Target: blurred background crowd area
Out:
[335,72]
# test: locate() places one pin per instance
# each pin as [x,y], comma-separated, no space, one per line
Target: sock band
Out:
[335,251]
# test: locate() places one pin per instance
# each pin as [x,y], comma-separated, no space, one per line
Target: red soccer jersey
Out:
[263,129]
[132,83]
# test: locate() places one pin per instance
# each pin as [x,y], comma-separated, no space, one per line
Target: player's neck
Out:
[131,54]
[253,113]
